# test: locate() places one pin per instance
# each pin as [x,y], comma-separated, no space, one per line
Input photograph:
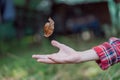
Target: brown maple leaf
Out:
[49,28]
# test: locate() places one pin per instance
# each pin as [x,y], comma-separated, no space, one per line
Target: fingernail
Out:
[52,41]
[33,56]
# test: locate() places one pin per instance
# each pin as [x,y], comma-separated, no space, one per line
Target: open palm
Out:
[64,55]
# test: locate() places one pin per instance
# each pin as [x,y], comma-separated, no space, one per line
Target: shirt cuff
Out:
[107,55]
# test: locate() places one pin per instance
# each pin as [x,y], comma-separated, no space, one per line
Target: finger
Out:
[56,44]
[57,60]
[48,61]
[40,56]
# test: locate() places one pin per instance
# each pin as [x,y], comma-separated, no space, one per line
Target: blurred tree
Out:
[19,2]
[72,2]
[114,9]
[0,17]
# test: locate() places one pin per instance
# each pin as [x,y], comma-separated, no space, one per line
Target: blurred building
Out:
[75,16]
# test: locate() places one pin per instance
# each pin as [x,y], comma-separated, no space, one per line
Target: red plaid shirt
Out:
[108,52]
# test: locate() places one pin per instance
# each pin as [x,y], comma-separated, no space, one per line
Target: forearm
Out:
[88,55]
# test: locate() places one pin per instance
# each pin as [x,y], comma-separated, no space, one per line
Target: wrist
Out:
[88,55]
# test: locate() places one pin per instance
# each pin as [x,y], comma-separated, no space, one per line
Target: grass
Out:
[17,63]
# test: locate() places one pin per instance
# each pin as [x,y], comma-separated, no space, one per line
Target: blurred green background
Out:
[22,36]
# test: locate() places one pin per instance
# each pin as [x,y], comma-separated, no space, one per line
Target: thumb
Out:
[56,44]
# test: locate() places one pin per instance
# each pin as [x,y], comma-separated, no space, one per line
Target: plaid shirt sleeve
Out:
[108,52]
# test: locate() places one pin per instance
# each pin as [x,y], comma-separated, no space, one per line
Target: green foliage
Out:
[3,47]
[9,45]
[7,30]
[34,3]
[18,64]
[19,2]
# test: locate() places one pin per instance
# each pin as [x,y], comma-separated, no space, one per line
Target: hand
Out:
[64,55]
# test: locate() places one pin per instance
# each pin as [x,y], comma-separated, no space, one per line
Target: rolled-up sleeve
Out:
[108,52]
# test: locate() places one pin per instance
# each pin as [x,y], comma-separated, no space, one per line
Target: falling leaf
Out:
[49,28]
